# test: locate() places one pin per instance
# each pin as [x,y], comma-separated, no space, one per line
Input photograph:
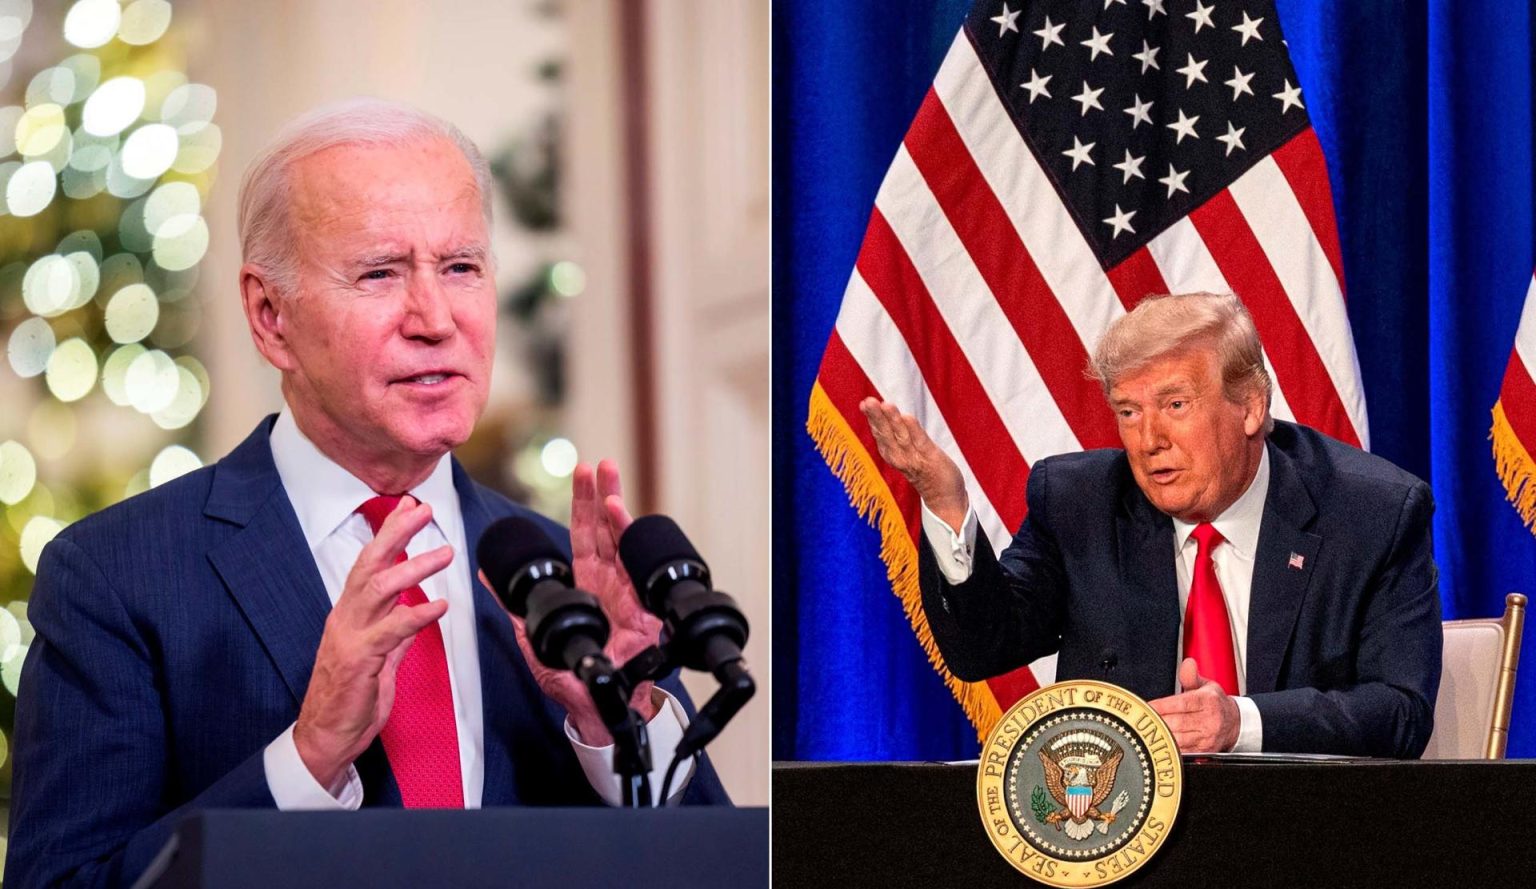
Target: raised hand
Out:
[907,448]
[598,518]
[1202,717]
[353,685]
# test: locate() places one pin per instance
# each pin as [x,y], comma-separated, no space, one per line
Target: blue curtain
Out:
[1425,117]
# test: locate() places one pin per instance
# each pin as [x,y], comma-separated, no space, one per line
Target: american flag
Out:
[1070,159]
[1514,417]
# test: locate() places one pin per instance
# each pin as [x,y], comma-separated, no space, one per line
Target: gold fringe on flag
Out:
[1515,467]
[871,496]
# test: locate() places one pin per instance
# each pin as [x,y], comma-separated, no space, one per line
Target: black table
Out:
[1365,823]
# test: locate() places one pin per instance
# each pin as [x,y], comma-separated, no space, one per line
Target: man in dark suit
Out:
[1294,573]
[300,625]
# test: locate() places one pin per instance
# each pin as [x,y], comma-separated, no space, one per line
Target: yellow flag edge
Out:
[871,496]
[1515,467]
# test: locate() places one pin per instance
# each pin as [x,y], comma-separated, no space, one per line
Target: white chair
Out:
[1477,685]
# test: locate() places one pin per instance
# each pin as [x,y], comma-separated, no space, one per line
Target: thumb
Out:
[1189,675]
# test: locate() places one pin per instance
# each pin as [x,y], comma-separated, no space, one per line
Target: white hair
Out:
[265,237]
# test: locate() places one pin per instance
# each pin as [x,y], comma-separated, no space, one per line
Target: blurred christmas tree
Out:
[107,152]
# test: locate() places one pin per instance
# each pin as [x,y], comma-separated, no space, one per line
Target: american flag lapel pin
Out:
[1298,561]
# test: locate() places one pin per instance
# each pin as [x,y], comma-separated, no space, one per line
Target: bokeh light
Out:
[31,344]
[144,21]
[189,107]
[559,457]
[173,462]
[114,373]
[185,405]
[39,129]
[181,242]
[71,370]
[567,278]
[132,313]
[199,150]
[10,635]
[91,23]
[113,106]
[31,188]
[51,286]
[18,472]
[151,382]
[149,151]
[34,536]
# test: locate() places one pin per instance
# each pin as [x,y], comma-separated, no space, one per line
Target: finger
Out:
[520,632]
[584,511]
[618,514]
[608,485]
[1175,705]
[404,522]
[1189,675]
[385,586]
[404,622]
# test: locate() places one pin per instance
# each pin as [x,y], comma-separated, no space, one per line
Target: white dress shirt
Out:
[326,497]
[1233,558]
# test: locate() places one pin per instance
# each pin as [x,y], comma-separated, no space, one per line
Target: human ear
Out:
[265,315]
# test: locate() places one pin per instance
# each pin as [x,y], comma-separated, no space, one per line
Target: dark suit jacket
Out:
[176,632]
[1343,652]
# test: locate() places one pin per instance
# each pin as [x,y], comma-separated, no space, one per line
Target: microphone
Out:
[705,629]
[532,577]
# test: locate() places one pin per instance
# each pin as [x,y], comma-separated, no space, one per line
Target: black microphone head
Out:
[652,545]
[515,553]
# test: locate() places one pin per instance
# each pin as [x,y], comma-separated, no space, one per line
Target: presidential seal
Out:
[1079,784]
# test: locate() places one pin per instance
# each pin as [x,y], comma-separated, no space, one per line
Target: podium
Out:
[1244,823]
[508,847]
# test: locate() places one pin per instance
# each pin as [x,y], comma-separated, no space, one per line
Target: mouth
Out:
[429,379]
[1163,476]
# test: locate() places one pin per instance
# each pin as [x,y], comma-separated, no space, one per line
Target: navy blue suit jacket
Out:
[1344,635]
[176,632]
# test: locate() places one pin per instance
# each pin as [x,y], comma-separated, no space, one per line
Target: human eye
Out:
[377,275]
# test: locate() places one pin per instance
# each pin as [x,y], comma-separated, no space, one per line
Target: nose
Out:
[1154,432]
[428,315]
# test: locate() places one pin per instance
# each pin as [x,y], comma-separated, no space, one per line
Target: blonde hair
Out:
[264,225]
[1162,325]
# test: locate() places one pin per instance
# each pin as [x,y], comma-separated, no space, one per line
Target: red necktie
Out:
[421,737]
[1207,632]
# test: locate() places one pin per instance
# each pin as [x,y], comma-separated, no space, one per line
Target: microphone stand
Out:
[610,690]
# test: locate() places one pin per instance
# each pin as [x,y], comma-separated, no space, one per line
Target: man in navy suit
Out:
[300,624]
[1280,584]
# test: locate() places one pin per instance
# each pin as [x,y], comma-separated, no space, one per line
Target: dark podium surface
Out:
[382,848]
[1362,823]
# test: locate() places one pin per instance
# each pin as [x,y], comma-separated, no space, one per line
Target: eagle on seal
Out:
[1080,771]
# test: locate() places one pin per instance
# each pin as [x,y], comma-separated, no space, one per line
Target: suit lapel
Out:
[497,645]
[1151,593]
[267,565]
[1282,568]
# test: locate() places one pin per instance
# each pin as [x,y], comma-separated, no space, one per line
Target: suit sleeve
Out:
[89,704]
[1010,610]
[1389,711]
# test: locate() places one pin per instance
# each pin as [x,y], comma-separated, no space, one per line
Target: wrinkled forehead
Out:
[381,184]
[1188,366]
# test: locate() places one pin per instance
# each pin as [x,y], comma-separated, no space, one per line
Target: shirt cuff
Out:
[1250,727]
[952,549]
[665,731]
[295,789]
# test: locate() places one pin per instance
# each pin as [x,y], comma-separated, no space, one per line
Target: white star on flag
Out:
[1088,98]
[1121,221]
[1099,43]
[1233,138]
[1289,96]
[1184,126]
[1139,111]
[1050,34]
[1007,21]
[1154,7]
[1079,153]
[1202,16]
[1192,72]
[1147,57]
[1249,28]
[1175,181]
[1239,83]
[1131,166]
[1036,86]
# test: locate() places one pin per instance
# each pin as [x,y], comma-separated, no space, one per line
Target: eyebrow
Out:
[380,260]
